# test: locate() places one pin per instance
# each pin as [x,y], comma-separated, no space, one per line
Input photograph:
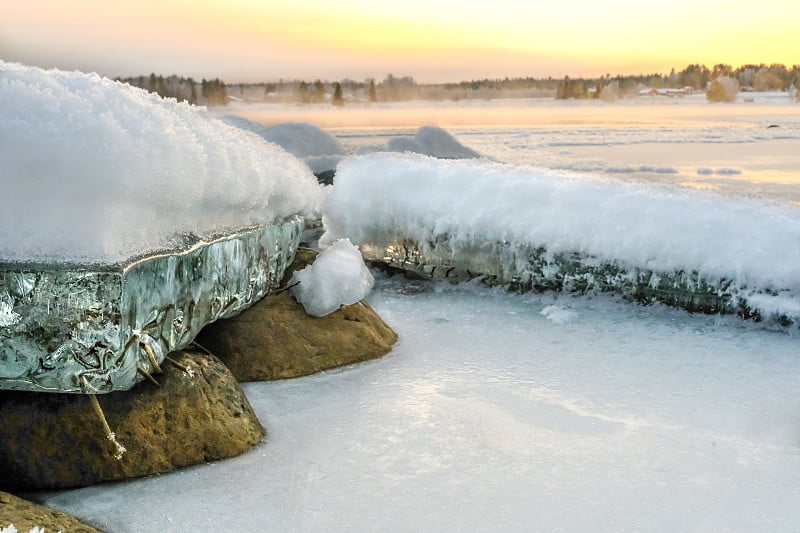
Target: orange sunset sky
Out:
[433,41]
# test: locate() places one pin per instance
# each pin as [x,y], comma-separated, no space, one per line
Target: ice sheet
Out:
[488,416]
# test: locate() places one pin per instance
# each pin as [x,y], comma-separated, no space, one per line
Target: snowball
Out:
[97,171]
[337,277]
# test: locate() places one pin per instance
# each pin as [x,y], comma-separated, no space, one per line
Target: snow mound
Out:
[440,143]
[428,140]
[337,277]
[320,150]
[381,197]
[96,171]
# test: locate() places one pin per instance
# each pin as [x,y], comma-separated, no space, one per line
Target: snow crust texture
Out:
[337,277]
[381,197]
[96,171]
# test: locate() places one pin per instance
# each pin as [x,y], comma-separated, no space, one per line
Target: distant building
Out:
[652,91]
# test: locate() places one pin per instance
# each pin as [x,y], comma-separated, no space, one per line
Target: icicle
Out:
[110,435]
[143,371]
[152,357]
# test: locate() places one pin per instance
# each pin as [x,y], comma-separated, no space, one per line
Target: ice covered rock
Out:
[545,230]
[276,339]
[198,414]
[127,222]
[95,330]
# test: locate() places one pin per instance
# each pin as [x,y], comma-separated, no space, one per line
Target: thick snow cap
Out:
[96,171]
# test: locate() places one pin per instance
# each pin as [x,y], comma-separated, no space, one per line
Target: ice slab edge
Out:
[89,330]
[530,268]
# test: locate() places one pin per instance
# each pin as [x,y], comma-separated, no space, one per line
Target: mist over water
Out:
[524,112]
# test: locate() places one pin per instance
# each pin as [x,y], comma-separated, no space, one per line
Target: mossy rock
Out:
[276,339]
[50,441]
[25,515]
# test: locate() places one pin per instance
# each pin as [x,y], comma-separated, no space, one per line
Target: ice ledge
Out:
[530,268]
[78,329]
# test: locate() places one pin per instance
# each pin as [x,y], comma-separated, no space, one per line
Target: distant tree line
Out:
[211,92]
[762,77]
[775,77]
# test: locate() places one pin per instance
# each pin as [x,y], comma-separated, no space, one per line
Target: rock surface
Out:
[25,515]
[58,440]
[276,339]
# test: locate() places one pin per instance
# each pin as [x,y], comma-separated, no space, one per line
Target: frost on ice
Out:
[96,171]
[545,229]
[337,277]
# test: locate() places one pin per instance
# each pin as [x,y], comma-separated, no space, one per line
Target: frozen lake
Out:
[740,149]
[490,416]
[506,412]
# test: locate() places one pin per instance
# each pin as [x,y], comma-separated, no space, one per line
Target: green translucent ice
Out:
[88,329]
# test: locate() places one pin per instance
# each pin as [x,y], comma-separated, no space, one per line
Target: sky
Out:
[431,40]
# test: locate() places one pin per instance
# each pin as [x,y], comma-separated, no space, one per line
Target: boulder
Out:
[25,515]
[276,339]
[197,414]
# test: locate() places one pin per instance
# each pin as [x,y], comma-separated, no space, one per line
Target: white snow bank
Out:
[94,170]
[428,140]
[337,277]
[320,150]
[380,197]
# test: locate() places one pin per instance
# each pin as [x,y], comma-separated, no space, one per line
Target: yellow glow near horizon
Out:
[445,40]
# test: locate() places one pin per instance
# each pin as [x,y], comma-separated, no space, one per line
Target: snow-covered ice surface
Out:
[507,412]
[487,416]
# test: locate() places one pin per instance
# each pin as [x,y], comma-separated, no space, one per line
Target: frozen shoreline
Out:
[491,415]
[504,412]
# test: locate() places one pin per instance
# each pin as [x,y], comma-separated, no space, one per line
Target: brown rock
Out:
[276,339]
[25,515]
[58,440]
